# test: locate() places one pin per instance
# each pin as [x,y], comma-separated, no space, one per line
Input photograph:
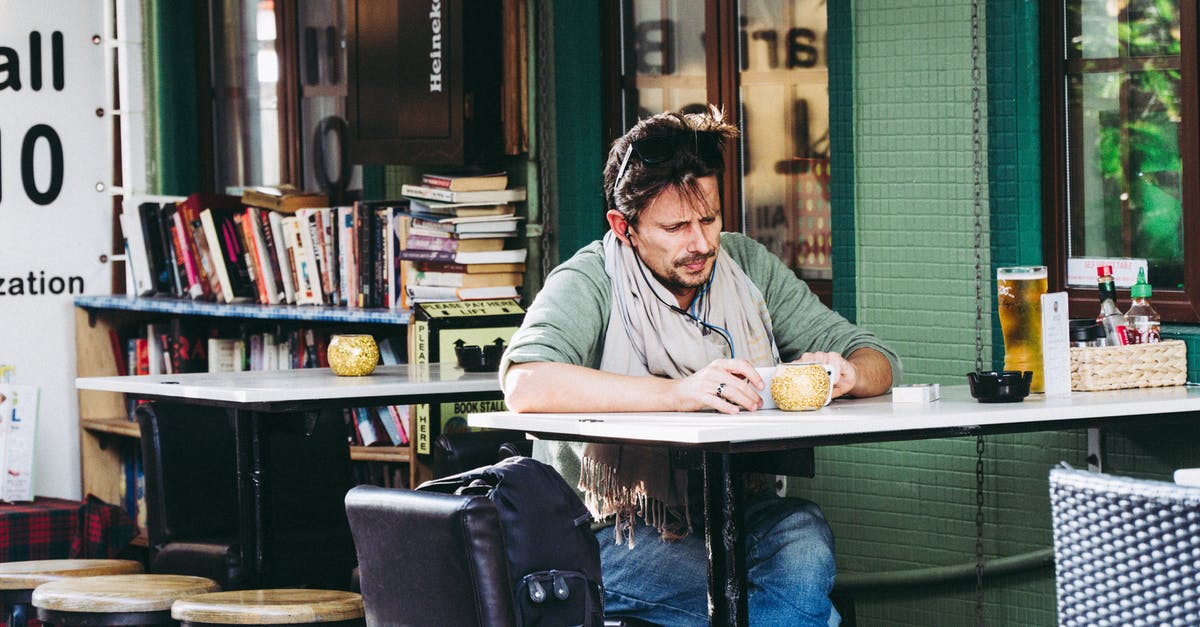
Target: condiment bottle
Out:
[1115,326]
[1144,322]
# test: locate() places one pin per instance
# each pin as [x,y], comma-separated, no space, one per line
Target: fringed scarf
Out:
[646,337]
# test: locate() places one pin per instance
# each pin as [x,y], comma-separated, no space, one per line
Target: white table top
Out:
[309,384]
[955,409]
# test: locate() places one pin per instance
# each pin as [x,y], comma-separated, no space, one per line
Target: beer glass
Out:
[1019,300]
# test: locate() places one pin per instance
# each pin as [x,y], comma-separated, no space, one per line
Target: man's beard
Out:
[677,283]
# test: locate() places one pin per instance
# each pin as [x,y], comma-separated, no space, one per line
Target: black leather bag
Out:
[553,556]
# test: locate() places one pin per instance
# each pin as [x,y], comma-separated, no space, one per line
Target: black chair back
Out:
[189,456]
[1124,550]
[190,492]
[454,453]
[190,472]
[430,559]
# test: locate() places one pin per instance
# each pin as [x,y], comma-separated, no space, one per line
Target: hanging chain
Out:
[977,146]
[977,184]
[979,530]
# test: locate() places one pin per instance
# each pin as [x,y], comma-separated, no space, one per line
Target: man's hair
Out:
[640,182]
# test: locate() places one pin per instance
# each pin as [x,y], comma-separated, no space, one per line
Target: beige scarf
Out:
[646,337]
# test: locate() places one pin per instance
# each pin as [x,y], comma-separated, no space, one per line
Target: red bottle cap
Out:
[1103,271]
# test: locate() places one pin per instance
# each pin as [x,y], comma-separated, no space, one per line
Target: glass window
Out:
[245,104]
[784,109]
[322,83]
[668,64]
[1123,83]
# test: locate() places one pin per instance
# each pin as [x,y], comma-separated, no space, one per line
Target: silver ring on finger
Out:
[721,388]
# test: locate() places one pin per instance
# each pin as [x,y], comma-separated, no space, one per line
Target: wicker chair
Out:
[1126,551]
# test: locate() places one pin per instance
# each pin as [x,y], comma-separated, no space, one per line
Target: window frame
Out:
[1173,305]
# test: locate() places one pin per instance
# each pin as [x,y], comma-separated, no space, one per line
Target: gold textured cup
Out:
[353,355]
[803,387]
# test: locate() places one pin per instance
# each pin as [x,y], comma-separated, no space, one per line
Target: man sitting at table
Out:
[668,313]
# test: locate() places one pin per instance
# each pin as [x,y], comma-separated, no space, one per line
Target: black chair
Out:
[439,557]
[191,493]
[191,497]
[1125,550]
[436,558]
[454,453]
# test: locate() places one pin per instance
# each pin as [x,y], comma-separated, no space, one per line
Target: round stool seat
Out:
[269,607]
[31,574]
[115,599]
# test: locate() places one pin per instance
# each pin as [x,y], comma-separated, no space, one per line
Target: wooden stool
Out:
[18,579]
[270,607]
[115,599]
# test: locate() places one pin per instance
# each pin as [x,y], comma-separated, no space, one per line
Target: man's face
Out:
[677,237]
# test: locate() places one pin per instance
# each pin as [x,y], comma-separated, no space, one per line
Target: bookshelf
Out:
[107,434]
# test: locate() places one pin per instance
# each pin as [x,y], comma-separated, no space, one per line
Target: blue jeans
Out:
[789,558]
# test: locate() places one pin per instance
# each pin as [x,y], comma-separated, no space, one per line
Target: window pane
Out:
[785,116]
[1125,187]
[322,62]
[1098,24]
[669,64]
[1151,27]
[245,101]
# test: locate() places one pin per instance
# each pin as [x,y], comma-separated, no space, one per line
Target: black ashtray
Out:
[479,358]
[1008,386]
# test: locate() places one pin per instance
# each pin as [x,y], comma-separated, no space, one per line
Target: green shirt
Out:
[567,321]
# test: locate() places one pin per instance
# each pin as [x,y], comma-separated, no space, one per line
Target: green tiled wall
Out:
[910,200]
[840,24]
[913,196]
[579,152]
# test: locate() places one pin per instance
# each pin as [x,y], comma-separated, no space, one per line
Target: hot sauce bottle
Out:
[1144,321]
[1115,325]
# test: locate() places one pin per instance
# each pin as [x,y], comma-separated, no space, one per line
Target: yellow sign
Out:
[464,308]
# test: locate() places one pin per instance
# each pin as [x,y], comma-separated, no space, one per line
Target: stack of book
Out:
[460,239]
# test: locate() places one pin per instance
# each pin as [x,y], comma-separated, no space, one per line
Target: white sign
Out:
[1056,344]
[18,427]
[55,211]
[1082,270]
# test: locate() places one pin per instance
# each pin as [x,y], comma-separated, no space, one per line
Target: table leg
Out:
[250,494]
[725,538]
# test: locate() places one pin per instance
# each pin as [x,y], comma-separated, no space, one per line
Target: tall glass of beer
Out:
[1019,300]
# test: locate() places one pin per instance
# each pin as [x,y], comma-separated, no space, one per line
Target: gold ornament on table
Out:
[353,355]
[804,387]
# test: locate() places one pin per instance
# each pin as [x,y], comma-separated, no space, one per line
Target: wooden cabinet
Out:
[108,436]
[425,82]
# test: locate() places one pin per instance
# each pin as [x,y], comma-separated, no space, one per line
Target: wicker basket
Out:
[1132,366]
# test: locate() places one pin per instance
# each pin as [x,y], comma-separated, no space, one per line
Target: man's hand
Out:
[866,373]
[726,385]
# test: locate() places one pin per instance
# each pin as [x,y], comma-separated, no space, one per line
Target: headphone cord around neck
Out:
[725,335]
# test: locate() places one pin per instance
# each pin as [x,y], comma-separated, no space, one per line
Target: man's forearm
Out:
[874,372]
[555,387]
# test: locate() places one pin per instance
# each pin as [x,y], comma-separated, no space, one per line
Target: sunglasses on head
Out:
[661,147]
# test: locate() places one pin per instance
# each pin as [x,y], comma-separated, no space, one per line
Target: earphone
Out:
[725,335]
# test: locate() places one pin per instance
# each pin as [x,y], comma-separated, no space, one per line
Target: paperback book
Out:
[466,181]
[283,198]
[499,225]
[516,255]
[460,209]
[515,194]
